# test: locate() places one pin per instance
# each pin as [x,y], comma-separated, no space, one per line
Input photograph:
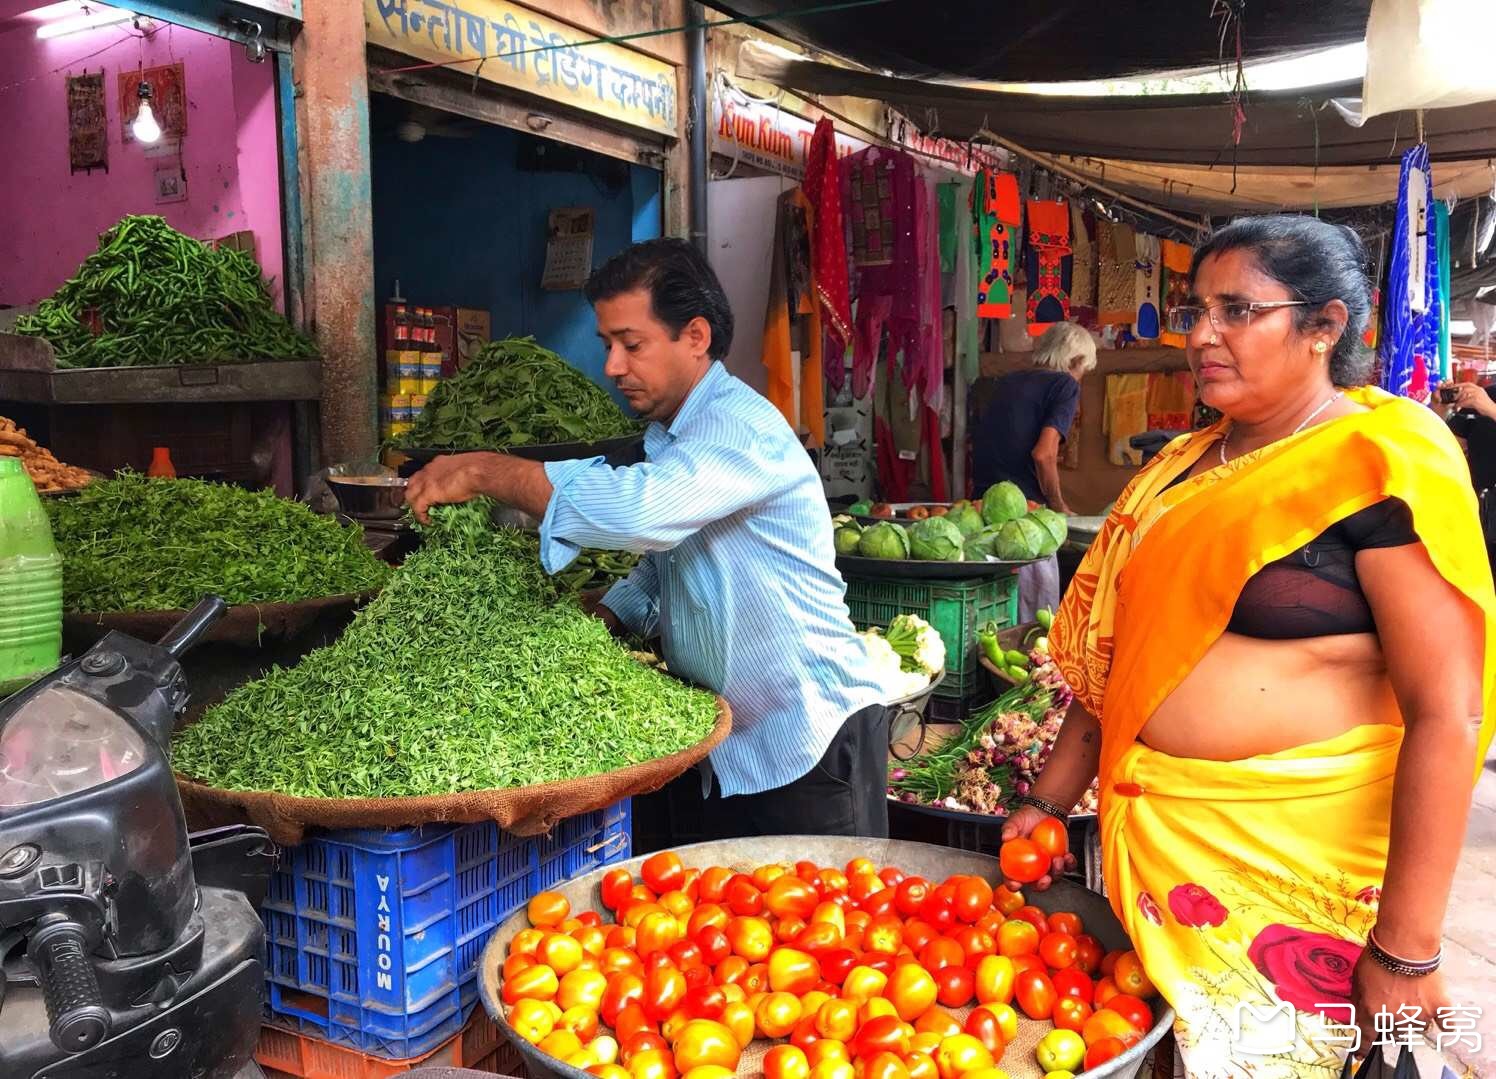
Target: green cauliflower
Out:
[1003,502]
[1019,541]
[935,539]
[884,540]
[1055,526]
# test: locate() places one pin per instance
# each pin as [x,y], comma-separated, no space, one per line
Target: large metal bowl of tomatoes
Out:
[814,957]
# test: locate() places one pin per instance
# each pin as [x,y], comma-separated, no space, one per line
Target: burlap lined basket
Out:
[520,810]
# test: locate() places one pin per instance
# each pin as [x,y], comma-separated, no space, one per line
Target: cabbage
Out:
[1056,527]
[884,540]
[847,538]
[1020,540]
[1003,502]
[968,519]
[979,547]
[935,539]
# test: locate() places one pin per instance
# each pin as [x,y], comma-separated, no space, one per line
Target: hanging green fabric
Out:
[948,228]
[1446,350]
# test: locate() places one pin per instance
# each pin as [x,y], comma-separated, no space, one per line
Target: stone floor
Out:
[1470,930]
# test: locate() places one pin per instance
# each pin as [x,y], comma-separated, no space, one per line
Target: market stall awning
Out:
[1053,40]
[1293,127]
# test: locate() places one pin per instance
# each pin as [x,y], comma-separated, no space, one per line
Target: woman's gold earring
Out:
[1320,346]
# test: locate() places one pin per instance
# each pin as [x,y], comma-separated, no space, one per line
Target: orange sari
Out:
[1243,905]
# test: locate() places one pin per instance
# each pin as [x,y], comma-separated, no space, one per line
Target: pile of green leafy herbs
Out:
[138,544]
[468,672]
[515,393]
[152,295]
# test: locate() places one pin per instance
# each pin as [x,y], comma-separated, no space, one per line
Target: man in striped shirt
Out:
[738,577]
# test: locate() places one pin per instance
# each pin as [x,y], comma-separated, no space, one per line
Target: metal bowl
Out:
[380,494]
[931,862]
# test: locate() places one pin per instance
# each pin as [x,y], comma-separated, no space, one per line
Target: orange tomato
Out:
[885,1066]
[811,1002]
[926,1042]
[756,979]
[709,1071]
[1131,978]
[516,963]
[1034,916]
[531,1020]
[533,983]
[1130,1008]
[752,938]
[581,1021]
[881,1034]
[1022,860]
[995,975]
[766,875]
[621,936]
[642,1042]
[731,970]
[1071,1014]
[983,1025]
[955,986]
[960,1054]
[609,1071]
[631,1022]
[738,1018]
[1008,900]
[1017,937]
[975,943]
[527,942]
[833,1069]
[787,929]
[918,933]
[561,953]
[859,866]
[776,1014]
[819,936]
[864,983]
[876,1008]
[1057,950]
[786,1062]
[1051,837]
[677,903]
[921,1066]
[827,1049]
[1105,1023]
[912,991]
[616,887]
[831,882]
[663,872]
[837,1020]
[592,938]
[560,1044]
[973,899]
[711,886]
[790,897]
[582,987]
[633,913]
[623,989]
[884,935]
[940,953]
[805,1034]
[547,909]
[652,1064]
[703,1042]
[862,885]
[1103,1050]
[657,931]
[1105,990]
[938,1021]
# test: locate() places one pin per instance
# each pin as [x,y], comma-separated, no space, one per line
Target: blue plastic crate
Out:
[372,938]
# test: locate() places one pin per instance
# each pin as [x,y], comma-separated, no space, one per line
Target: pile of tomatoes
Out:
[864,972]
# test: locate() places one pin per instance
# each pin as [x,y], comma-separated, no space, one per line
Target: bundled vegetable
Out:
[138,544]
[906,655]
[596,569]
[515,393]
[467,673]
[152,295]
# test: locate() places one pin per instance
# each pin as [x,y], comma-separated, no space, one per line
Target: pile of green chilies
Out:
[138,544]
[466,673]
[515,393]
[151,295]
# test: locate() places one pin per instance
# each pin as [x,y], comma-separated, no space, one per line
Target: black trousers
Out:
[846,793]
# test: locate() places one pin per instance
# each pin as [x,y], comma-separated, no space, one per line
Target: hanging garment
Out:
[798,394]
[949,238]
[897,433]
[934,455]
[1126,415]
[999,215]
[1083,270]
[1171,401]
[1012,332]
[1048,264]
[822,186]
[883,197]
[1410,327]
[1249,884]
[1441,218]
[925,361]
[1147,287]
[1116,298]
[1176,259]
[968,328]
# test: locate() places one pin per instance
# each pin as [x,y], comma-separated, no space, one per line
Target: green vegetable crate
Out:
[954,607]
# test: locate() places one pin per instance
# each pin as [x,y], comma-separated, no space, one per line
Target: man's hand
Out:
[1470,396]
[460,477]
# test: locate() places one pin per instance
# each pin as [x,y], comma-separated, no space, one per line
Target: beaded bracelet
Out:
[1408,968]
[1043,806]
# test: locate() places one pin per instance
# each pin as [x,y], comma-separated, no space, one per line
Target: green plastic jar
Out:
[30,583]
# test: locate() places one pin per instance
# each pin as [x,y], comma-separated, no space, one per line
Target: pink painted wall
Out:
[50,219]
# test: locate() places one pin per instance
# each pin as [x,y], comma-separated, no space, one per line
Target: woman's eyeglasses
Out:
[1231,315]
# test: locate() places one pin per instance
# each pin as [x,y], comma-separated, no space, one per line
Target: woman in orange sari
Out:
[1282,653]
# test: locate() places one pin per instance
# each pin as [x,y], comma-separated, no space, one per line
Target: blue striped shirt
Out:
[739,574]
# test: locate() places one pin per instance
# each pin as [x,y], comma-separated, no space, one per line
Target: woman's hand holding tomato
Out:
[1022,825]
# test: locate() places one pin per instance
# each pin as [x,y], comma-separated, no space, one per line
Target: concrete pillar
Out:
[332,115]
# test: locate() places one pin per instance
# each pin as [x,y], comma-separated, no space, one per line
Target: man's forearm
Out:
[516,482]
[1049,481]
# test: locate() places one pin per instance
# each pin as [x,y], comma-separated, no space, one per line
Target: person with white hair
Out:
[1018,438]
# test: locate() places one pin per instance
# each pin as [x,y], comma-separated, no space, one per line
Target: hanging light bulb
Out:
[144,126]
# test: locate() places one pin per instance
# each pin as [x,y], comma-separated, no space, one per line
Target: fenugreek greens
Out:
[138,544]
[470,671]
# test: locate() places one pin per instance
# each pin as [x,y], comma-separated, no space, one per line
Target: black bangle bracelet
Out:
[1407,968]
[1043,806]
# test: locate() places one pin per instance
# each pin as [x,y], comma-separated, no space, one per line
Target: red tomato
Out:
[538,982]
[1017,937]
[1131,978]
[1074,984]
[657,961]
[832,882]
[1071,1014]
[955,986]
[786,1062]
[643,1042]
[918,933]
[1064,921]
[516,963]
[548,909]
[1133,1010]
[705,1002]
[623,990]
[836,963]
[1034,916]
[1105,990]
[664,872]
[766,875]
[983,1025]
[807,871]
[862,885]
[805,1034]
[1109,962]
[793,971]
[818,937]
[620,961]
[1022,860]
[975,943]
[686,954]
[751,938]
[885,964]
[631,1021]
[939,1022]
[701,975]
[790,897]
[1031,961]
[1057,950]
[1088,953]
[882,904]
[1102,1051]
[743,896]
[1105,1023]
[730,971]
[1050,836]
[910,894]
[664,990]
[1035,994]
[787,929]
[755,979]
[714,944]
[711,886]
[885,1066]
[973,899]
[881,1034]
[940,953]
[616,887]
[939,910]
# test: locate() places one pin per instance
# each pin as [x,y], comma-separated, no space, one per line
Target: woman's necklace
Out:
[1337,395]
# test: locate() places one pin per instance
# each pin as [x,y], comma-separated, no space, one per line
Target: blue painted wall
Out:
[457,222]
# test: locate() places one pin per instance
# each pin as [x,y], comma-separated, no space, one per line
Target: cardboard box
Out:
[474,330]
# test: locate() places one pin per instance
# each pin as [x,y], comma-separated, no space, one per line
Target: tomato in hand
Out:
[1057,950]
[1023,861]
[1035,994]
[1051,837]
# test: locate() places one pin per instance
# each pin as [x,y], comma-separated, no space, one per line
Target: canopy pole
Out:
[1080,178]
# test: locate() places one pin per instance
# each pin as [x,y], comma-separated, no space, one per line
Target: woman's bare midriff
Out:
[1247,697]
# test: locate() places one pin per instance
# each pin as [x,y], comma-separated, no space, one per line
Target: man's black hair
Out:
[681,285]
